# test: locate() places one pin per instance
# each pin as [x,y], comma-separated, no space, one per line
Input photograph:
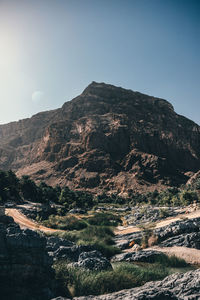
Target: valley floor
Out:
[190,255]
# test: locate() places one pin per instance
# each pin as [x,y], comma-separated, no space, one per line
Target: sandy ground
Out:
[132,229]
[24,222]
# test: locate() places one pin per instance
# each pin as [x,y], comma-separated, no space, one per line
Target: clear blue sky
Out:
[50,50]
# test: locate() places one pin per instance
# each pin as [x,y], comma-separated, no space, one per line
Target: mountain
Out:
[107,139]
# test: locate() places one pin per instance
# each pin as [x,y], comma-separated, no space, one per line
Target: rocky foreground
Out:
[26,266]
[174,287]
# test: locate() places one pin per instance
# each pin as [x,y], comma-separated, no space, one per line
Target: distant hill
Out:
[107,139]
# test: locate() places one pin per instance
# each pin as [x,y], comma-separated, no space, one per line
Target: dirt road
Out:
[24,222]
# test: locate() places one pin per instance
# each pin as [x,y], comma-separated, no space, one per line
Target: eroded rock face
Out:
[177,286]
[108,138]
[25,267]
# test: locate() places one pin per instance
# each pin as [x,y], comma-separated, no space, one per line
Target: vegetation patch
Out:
[104,219]
[171,261]
[17,190]
[65,223]
[79,282]
[100,237]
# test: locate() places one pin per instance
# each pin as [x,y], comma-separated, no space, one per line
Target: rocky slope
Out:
[108,138]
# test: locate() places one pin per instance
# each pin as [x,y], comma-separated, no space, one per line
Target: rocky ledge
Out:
[178,286]
[149,214]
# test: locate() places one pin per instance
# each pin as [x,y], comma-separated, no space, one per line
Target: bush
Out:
[65,223]
[104,219]
[171,261]
[98,237]
[187,197]
[147,234]
[164,213]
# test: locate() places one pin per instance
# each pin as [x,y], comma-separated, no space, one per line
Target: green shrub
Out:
[100,237]
[164,213]
[187,197]
[104,219]
[171,261]
[65,223]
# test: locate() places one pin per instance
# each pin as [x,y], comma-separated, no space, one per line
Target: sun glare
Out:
[8,51]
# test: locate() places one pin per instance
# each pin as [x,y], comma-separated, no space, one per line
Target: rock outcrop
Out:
[149,256]
[92,260]
[179,233]
[148,214]
[59,248]
[80,256]
[189,240]
[178,286]
[108,138]
[25,267]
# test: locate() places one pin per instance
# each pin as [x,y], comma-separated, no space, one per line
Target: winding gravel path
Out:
[24,222]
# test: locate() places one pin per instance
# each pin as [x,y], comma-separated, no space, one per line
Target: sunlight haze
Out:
[51,50]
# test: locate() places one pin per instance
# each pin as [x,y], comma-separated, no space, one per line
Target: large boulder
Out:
[92,260]
[25,266]
[180,233]
[59,248]
[177,228]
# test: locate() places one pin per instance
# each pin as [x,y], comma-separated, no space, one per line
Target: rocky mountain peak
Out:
[106,139]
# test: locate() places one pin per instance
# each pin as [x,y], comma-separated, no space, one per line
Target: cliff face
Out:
[108,138]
